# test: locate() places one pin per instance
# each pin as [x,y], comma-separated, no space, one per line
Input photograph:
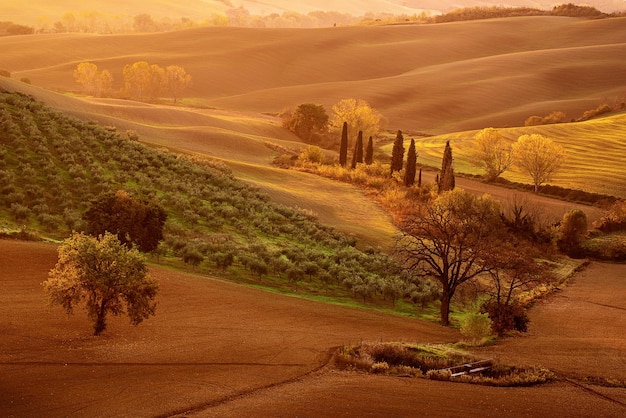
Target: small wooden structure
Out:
[470,368]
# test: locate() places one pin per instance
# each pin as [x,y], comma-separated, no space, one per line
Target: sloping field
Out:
[218,349]
[239,139]
[595,153]
[432,78]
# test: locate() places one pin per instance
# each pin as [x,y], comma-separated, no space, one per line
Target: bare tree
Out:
[450,241]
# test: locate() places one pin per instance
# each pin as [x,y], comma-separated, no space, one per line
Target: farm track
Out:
[593,392]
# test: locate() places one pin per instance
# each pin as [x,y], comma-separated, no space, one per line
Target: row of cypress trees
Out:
[445,180]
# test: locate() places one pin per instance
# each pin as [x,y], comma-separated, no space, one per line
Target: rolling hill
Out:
[436,79]
[428,78]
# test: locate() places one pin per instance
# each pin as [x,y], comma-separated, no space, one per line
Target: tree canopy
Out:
[446,176]
[93,81]
[133,221]
[308,119]
[176,80]
[411,165]
[538,156]
[359,116]
[397,153]
[491,153]
[451,241]
[343,146]
[104,274]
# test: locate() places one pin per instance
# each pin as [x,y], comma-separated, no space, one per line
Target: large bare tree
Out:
[450,241]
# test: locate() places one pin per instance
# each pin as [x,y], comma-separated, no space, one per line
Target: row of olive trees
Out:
[61,174]
[141,80]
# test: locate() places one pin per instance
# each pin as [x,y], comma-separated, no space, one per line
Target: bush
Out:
[476,327]
[600,110]
[5,73]
[506,317]
[572,231]
[191,255]
[20,212]
[614,219]
[312,154]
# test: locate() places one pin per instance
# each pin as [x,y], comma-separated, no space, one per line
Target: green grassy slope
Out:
[239,139]
[52,166]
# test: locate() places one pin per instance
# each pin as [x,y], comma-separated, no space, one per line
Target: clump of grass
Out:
[432,362]
[605,381]
[499,375]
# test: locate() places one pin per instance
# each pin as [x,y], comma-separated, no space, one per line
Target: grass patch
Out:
[608,382]
[433,362]
[611,247]
[586,143]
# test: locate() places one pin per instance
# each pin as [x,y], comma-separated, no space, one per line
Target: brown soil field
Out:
[217,348]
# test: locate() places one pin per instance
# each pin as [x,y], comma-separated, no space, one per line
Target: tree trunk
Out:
[101,323]
[445,307]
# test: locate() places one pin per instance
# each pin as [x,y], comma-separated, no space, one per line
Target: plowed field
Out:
[219,349]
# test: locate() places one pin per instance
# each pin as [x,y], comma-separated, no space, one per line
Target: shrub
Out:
[20,212]
[506,317]
[476,327]
[191,255]
[312,154]
[614,219]
[5,73]
[600,110]
[572,231]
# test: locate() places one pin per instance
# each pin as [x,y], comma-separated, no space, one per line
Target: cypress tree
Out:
[419,179]
[369,152]
[343,147]
[411,165]
[446,179]
[397,154]
[357,156]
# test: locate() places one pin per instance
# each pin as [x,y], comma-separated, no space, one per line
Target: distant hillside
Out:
[428,78]
[199,10]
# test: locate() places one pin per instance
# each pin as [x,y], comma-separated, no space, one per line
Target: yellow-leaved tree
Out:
[92,81]
[359,116]
[491,153]
[177,80]
[105,275]
[538,156]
